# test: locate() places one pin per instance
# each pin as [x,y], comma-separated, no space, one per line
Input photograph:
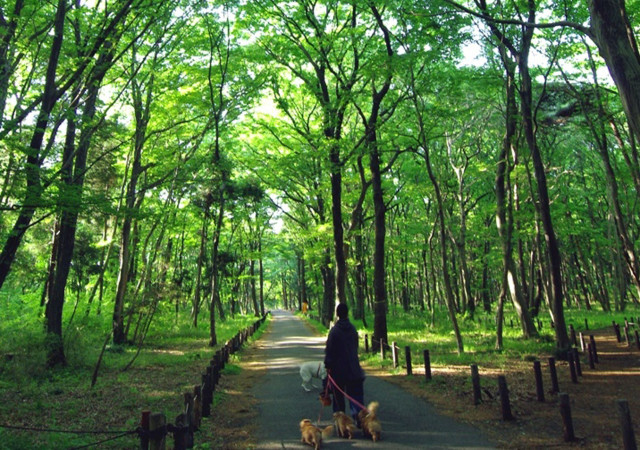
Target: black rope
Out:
[105,440]
[50,430]
[174,428]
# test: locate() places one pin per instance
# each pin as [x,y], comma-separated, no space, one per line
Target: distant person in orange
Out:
[305,308]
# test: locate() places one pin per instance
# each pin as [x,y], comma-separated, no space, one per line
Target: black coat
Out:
[341,353]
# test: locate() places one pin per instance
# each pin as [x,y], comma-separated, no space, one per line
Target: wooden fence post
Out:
[427,365]
[197,407]
[407,358]
[366,343]
[592,363]
[554,376]
[628,437]
[189,410]
[504,398]
[157,431]
[180,438]
[572,367]
[576,360]
[616,330]
[205,393]
[537,370]
[475,381]
[594,349]
[216,374]
[144,424]
[567,421]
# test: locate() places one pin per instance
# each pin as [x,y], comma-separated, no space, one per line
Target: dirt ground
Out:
[536,425]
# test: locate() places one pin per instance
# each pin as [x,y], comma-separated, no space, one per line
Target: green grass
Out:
[173,358]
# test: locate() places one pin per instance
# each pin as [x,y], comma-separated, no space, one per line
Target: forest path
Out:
[407,422]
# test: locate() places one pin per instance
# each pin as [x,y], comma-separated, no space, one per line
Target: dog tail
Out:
[327,432]
[373,408]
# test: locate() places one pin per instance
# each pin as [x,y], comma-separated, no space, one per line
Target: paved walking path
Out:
[407,422]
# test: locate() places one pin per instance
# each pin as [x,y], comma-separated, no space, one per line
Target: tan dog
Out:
[313,435]
[369,421]
[344,424]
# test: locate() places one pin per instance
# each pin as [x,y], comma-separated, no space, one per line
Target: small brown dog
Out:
[313,435]
[344,424]
[369,421]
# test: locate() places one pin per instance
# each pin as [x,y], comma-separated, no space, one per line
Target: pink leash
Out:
[351,399]
[326,394]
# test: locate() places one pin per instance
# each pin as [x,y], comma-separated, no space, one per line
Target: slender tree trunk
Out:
[379,277]
[449,296]
[327,308]
[34,189]
[460,241]
[504,215]
[355,230]
[380,208]
[500,313]
[254,294]
[553,248]
[142,107]
[6,53]
[197,298]
[73,172]
[215,274]
[261,269]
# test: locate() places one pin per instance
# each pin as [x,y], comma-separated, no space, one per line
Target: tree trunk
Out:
[616,41]
[504,202]
[553,248]
[74,167]
[327,308]
[6,53]
[302,283]
[215,273]
[34,189]
[355,230]
[379,276]
[261,269]
[197,298]
[142,109]
[254,295]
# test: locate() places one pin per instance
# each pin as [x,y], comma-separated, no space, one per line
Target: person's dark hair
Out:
[342,311]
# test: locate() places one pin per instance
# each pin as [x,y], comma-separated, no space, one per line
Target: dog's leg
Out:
[305,383]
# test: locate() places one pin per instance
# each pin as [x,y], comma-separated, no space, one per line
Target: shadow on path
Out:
[407,422]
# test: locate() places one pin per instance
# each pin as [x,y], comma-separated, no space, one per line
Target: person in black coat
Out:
[342,363]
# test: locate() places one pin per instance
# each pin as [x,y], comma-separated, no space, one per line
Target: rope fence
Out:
[154,429]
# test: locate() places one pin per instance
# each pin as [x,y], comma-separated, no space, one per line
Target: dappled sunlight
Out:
[161,394]
[167,351]
[283,363]
[628,372]
[299,341]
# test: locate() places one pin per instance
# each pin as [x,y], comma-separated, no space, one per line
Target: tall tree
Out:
[373,147]
[318,45]
[74,166]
